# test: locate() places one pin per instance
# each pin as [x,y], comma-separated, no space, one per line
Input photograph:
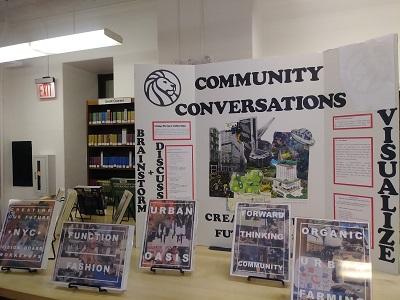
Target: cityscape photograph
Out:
[243,163]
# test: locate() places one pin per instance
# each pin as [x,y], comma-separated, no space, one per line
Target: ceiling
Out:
[22,10]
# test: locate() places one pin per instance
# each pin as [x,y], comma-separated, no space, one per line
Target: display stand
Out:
[73,285]
[216,248]
[52,247]
[266,278]
[171,268]
[7,269]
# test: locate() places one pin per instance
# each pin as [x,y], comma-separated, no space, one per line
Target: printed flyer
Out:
[168,239]
[94,254]
[27,233]
[331,260]
[261,243]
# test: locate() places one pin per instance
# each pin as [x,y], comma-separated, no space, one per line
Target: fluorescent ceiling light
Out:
[61,44]
[17,52]
[76,42]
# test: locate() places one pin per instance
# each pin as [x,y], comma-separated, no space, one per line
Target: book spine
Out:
[132,116]
[101,158]
[130,165]
[123,140]
[125,116]
[108,120]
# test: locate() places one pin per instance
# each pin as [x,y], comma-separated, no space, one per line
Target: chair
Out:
[90,200]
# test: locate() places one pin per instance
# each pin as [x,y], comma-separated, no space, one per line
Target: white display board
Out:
[288,130]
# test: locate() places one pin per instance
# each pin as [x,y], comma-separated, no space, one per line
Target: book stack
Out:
[111,139]
[103,161]
[94,162]
[111,117]
[116,162]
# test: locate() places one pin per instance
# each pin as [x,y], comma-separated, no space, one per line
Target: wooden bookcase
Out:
[110,139]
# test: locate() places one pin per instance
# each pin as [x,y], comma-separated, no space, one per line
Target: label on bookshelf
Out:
[121,100]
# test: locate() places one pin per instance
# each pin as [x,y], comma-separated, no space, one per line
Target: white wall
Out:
[302,26]
[79,85]
[191,29]
[24,117]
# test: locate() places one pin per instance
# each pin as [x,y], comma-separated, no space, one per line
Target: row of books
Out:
[111,139]
[112,117]
[111,161]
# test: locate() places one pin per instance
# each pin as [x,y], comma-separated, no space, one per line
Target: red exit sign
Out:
[46,88]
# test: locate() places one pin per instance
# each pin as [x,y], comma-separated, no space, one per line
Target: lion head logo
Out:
[162,87]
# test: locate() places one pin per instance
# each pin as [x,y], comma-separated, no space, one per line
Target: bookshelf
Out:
[110,139]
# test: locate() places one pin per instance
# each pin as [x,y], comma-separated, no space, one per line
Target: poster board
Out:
[168,240]
[27,233]
[261,242]
[331,260]
[94,254]
[293,130]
